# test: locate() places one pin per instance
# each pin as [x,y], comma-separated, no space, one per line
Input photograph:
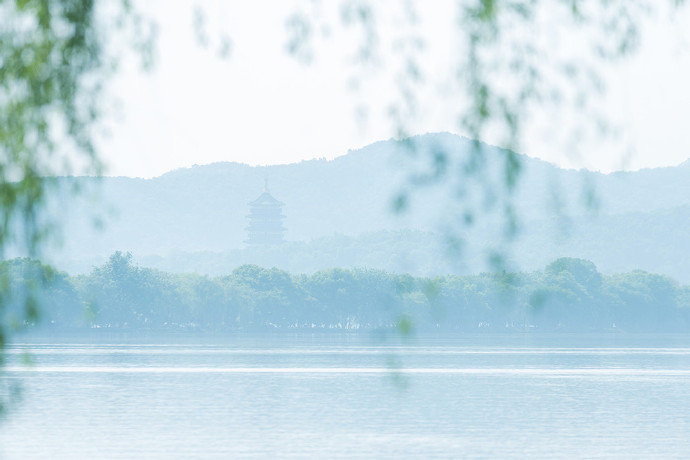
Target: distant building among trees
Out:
[265,220]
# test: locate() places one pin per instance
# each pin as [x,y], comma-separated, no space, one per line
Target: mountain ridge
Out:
[684,163]
[203,208]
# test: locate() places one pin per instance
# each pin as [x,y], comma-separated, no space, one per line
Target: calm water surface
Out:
[351,396]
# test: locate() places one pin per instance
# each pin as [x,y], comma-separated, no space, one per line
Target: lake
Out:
[350,395]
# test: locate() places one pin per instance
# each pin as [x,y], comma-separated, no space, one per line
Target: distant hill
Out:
[192,214]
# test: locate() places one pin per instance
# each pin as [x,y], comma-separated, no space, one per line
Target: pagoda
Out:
[265,220]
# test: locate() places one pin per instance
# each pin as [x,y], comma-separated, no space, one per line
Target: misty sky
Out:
[261,106]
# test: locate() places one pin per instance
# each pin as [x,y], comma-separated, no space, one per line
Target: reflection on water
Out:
[340,396]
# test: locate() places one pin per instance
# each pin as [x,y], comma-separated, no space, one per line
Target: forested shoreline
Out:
[569,295]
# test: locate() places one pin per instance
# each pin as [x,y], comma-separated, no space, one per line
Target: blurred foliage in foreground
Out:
[568,295]
[53,64]
[513,65]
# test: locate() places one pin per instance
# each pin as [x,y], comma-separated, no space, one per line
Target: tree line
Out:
[568,295]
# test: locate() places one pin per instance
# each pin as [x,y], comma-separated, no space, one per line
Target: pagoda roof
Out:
[266,198]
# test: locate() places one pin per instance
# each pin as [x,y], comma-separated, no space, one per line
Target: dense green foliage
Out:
[569,295]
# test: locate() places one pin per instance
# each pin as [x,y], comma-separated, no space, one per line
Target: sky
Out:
[261,105]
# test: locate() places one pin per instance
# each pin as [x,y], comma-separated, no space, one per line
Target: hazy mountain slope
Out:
[396,251]
[656,242]
[203,208]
